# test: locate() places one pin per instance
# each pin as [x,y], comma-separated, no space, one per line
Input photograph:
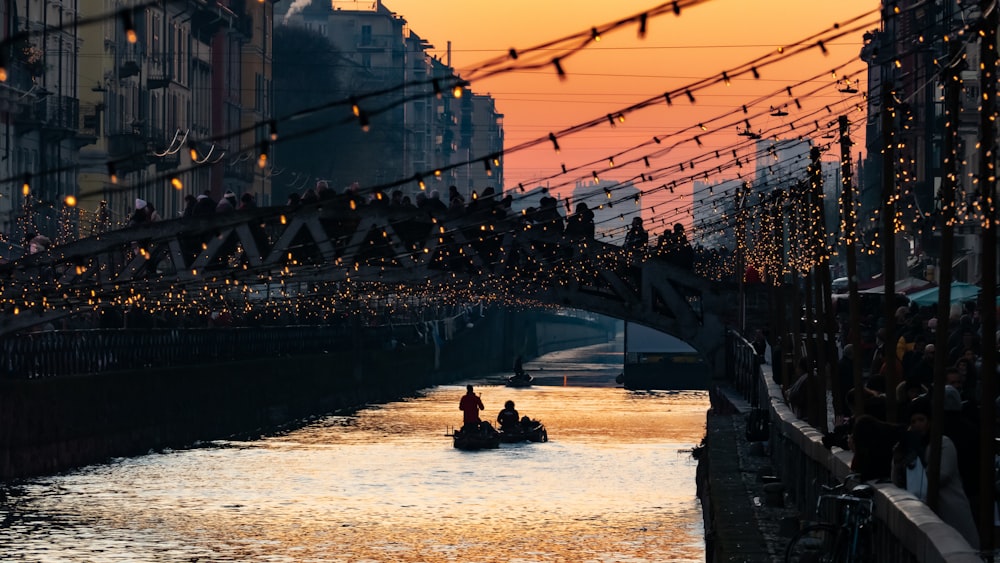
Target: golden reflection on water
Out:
[616,482]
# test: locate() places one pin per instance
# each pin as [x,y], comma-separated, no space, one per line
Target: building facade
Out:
[441,135]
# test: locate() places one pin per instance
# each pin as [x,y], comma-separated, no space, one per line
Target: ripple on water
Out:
[615,483]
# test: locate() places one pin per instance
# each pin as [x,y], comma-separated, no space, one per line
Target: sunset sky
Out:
[621,70]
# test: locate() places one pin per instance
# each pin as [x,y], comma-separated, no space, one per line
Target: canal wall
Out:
[52,424]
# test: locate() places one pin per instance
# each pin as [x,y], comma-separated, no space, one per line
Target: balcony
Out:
[128,150]
[60,114]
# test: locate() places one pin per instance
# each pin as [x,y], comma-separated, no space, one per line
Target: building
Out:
[256,104]
[440,133]
[912,77]
[715,213]
[42,116]
[179,111]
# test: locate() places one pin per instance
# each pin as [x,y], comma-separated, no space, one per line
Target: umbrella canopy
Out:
[960,292]
[905,285]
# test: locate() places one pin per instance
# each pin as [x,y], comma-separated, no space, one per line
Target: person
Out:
[470,405]
[909,471]
[637,238]
[580,225]
[509,419]
[39,243]
[141,214]
[872,441]
[189,205]
[518,367]
[800,393]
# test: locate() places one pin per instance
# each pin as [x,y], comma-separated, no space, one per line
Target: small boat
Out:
[526,431]
[523,380]
[484,437]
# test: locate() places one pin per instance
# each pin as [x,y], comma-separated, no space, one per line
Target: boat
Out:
[483,437]
[526,431]
[523,380]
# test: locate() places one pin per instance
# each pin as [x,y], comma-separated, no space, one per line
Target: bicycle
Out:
[844,535]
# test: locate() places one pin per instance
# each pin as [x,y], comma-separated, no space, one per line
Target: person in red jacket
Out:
[470,405]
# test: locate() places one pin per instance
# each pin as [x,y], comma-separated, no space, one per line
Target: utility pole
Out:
[779,291]
[850,247]
[888,237]
[988,268]
[952,107]
[825,354]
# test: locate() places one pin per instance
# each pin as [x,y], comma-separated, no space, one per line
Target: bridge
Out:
[323,253]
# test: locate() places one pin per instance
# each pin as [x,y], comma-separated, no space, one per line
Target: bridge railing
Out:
[59,353]
[744,364]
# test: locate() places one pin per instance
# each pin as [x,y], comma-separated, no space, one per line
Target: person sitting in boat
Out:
[470,405]
[519,372]
[508,419]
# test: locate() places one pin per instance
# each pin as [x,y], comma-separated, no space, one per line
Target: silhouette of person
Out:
[637,237]
[509,419]
[470,405]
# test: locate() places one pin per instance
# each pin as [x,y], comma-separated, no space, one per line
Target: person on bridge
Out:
[470,405]
[509,419]
[637,238]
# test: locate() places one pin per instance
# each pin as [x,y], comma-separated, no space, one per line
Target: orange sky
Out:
[621,70]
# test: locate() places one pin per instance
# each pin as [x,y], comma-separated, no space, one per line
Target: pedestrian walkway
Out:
[745,521]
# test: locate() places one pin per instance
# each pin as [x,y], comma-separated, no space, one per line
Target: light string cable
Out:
[715,154]
[792,127]
[353,100]
[702,126]
[751,67]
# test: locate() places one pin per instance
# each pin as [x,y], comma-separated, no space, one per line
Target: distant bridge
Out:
[325,249]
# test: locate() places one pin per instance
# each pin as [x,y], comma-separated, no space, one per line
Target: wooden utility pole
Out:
[952,107]
[988,269]
[889,251]
[850,248]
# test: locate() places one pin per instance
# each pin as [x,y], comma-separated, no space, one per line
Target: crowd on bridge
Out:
[890,436]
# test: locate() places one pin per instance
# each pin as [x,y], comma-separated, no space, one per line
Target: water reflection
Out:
[614,483]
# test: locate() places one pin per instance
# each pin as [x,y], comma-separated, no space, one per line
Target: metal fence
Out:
[59,353]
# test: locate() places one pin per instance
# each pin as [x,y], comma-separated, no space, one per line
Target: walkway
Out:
[745,527]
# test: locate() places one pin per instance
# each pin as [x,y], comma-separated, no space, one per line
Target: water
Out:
[616,482]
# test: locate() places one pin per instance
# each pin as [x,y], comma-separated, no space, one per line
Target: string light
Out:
[559,69]
[129,25]
[555,143]
[262,155]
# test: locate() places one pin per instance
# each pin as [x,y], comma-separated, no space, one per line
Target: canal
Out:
[615,483]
